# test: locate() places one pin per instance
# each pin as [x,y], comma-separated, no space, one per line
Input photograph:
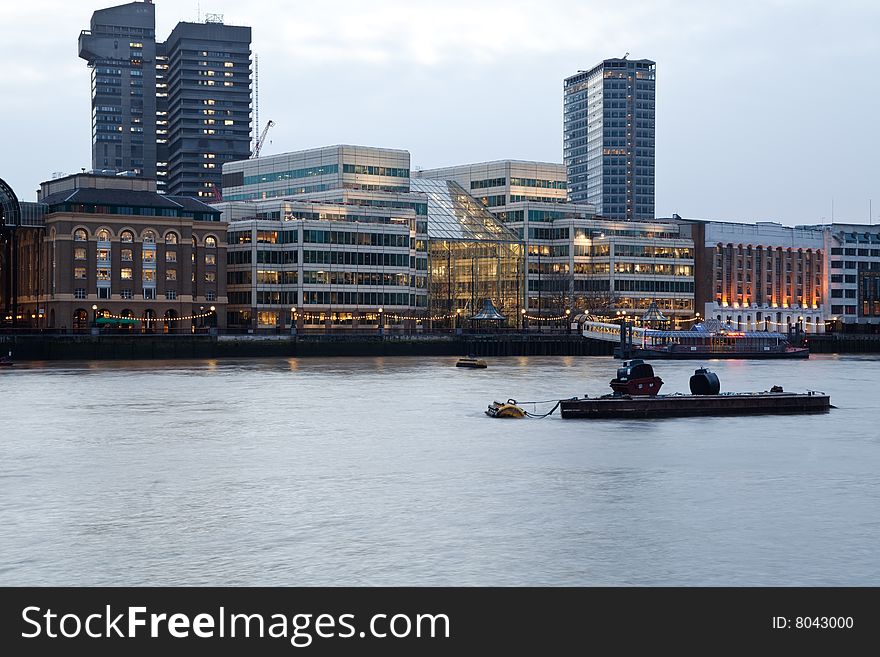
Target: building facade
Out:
[575,259]
[852,273]
[331,168]
[762,276]
[114,253]
[173,111]
[609,137]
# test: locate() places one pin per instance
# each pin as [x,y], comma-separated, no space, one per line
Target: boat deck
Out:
[623,407]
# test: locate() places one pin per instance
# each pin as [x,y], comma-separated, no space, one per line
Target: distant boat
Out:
[712,339]
[6,361]
[473,363]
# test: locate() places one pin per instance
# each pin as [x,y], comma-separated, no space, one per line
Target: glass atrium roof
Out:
[453,214]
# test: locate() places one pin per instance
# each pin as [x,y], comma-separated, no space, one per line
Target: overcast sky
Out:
[766,110]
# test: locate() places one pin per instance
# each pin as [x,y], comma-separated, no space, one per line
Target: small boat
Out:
[470,361]
[6,361]
[505,409]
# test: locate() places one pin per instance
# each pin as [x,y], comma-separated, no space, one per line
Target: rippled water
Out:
[387,472]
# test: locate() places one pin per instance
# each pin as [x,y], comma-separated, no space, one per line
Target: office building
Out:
[577,260]
[344,236]
[609,140]
[174,111]
[852,273]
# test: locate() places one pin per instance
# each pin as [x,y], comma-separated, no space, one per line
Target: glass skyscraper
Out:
[609,138]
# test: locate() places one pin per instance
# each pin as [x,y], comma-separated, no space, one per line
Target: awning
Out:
[489,312]
[114,321]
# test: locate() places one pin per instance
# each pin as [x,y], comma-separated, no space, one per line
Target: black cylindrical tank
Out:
[704,382]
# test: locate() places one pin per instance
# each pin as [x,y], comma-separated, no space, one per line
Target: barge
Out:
[635,396]
[681,405]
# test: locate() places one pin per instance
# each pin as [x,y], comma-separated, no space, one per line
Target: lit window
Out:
[126,236]
[79,273]
[103,235]
[210,259]
[149,237]
[125,273]
[80,235]
[149,256]
[170,274]
[149,275]
[171,238]
[79,254]
[171,256]
[126,255]
[210,277]
[103,274]
[211,242]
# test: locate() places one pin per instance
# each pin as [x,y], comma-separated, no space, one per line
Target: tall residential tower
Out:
[174,111]
[609,138]
[120,48]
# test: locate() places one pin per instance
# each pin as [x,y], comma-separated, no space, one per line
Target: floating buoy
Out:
[505,409]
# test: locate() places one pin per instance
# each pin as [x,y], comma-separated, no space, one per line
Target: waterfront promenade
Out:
[136,346]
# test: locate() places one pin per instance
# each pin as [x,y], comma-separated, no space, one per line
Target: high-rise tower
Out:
[209,104]
[609,137]
[120,48]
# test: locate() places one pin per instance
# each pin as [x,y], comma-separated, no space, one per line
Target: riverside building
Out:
[110,252]
[761,276]
[609,138]
[341,238]
[577,260]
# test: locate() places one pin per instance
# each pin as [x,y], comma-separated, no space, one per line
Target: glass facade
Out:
[472,256]
[609,138]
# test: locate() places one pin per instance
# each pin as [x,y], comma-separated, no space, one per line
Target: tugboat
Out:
[636,378]
[472,362]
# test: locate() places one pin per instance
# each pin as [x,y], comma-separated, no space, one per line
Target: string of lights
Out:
[107,315]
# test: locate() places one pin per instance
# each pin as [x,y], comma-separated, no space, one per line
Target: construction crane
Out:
[262,138]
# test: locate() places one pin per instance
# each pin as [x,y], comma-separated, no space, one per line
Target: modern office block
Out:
[575,259]
[609,122]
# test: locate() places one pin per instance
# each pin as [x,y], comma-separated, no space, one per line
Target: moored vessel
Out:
[705,398]
[472,362]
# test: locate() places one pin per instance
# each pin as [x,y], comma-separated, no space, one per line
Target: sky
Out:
[767,110]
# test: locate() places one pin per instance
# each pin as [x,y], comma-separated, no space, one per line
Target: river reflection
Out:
[387,472]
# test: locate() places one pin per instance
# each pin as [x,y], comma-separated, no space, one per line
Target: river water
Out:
[387,472]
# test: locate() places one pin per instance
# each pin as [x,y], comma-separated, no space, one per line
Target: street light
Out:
[381,321]
[457,321]
[567,321]
[522,320]
[293,320]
